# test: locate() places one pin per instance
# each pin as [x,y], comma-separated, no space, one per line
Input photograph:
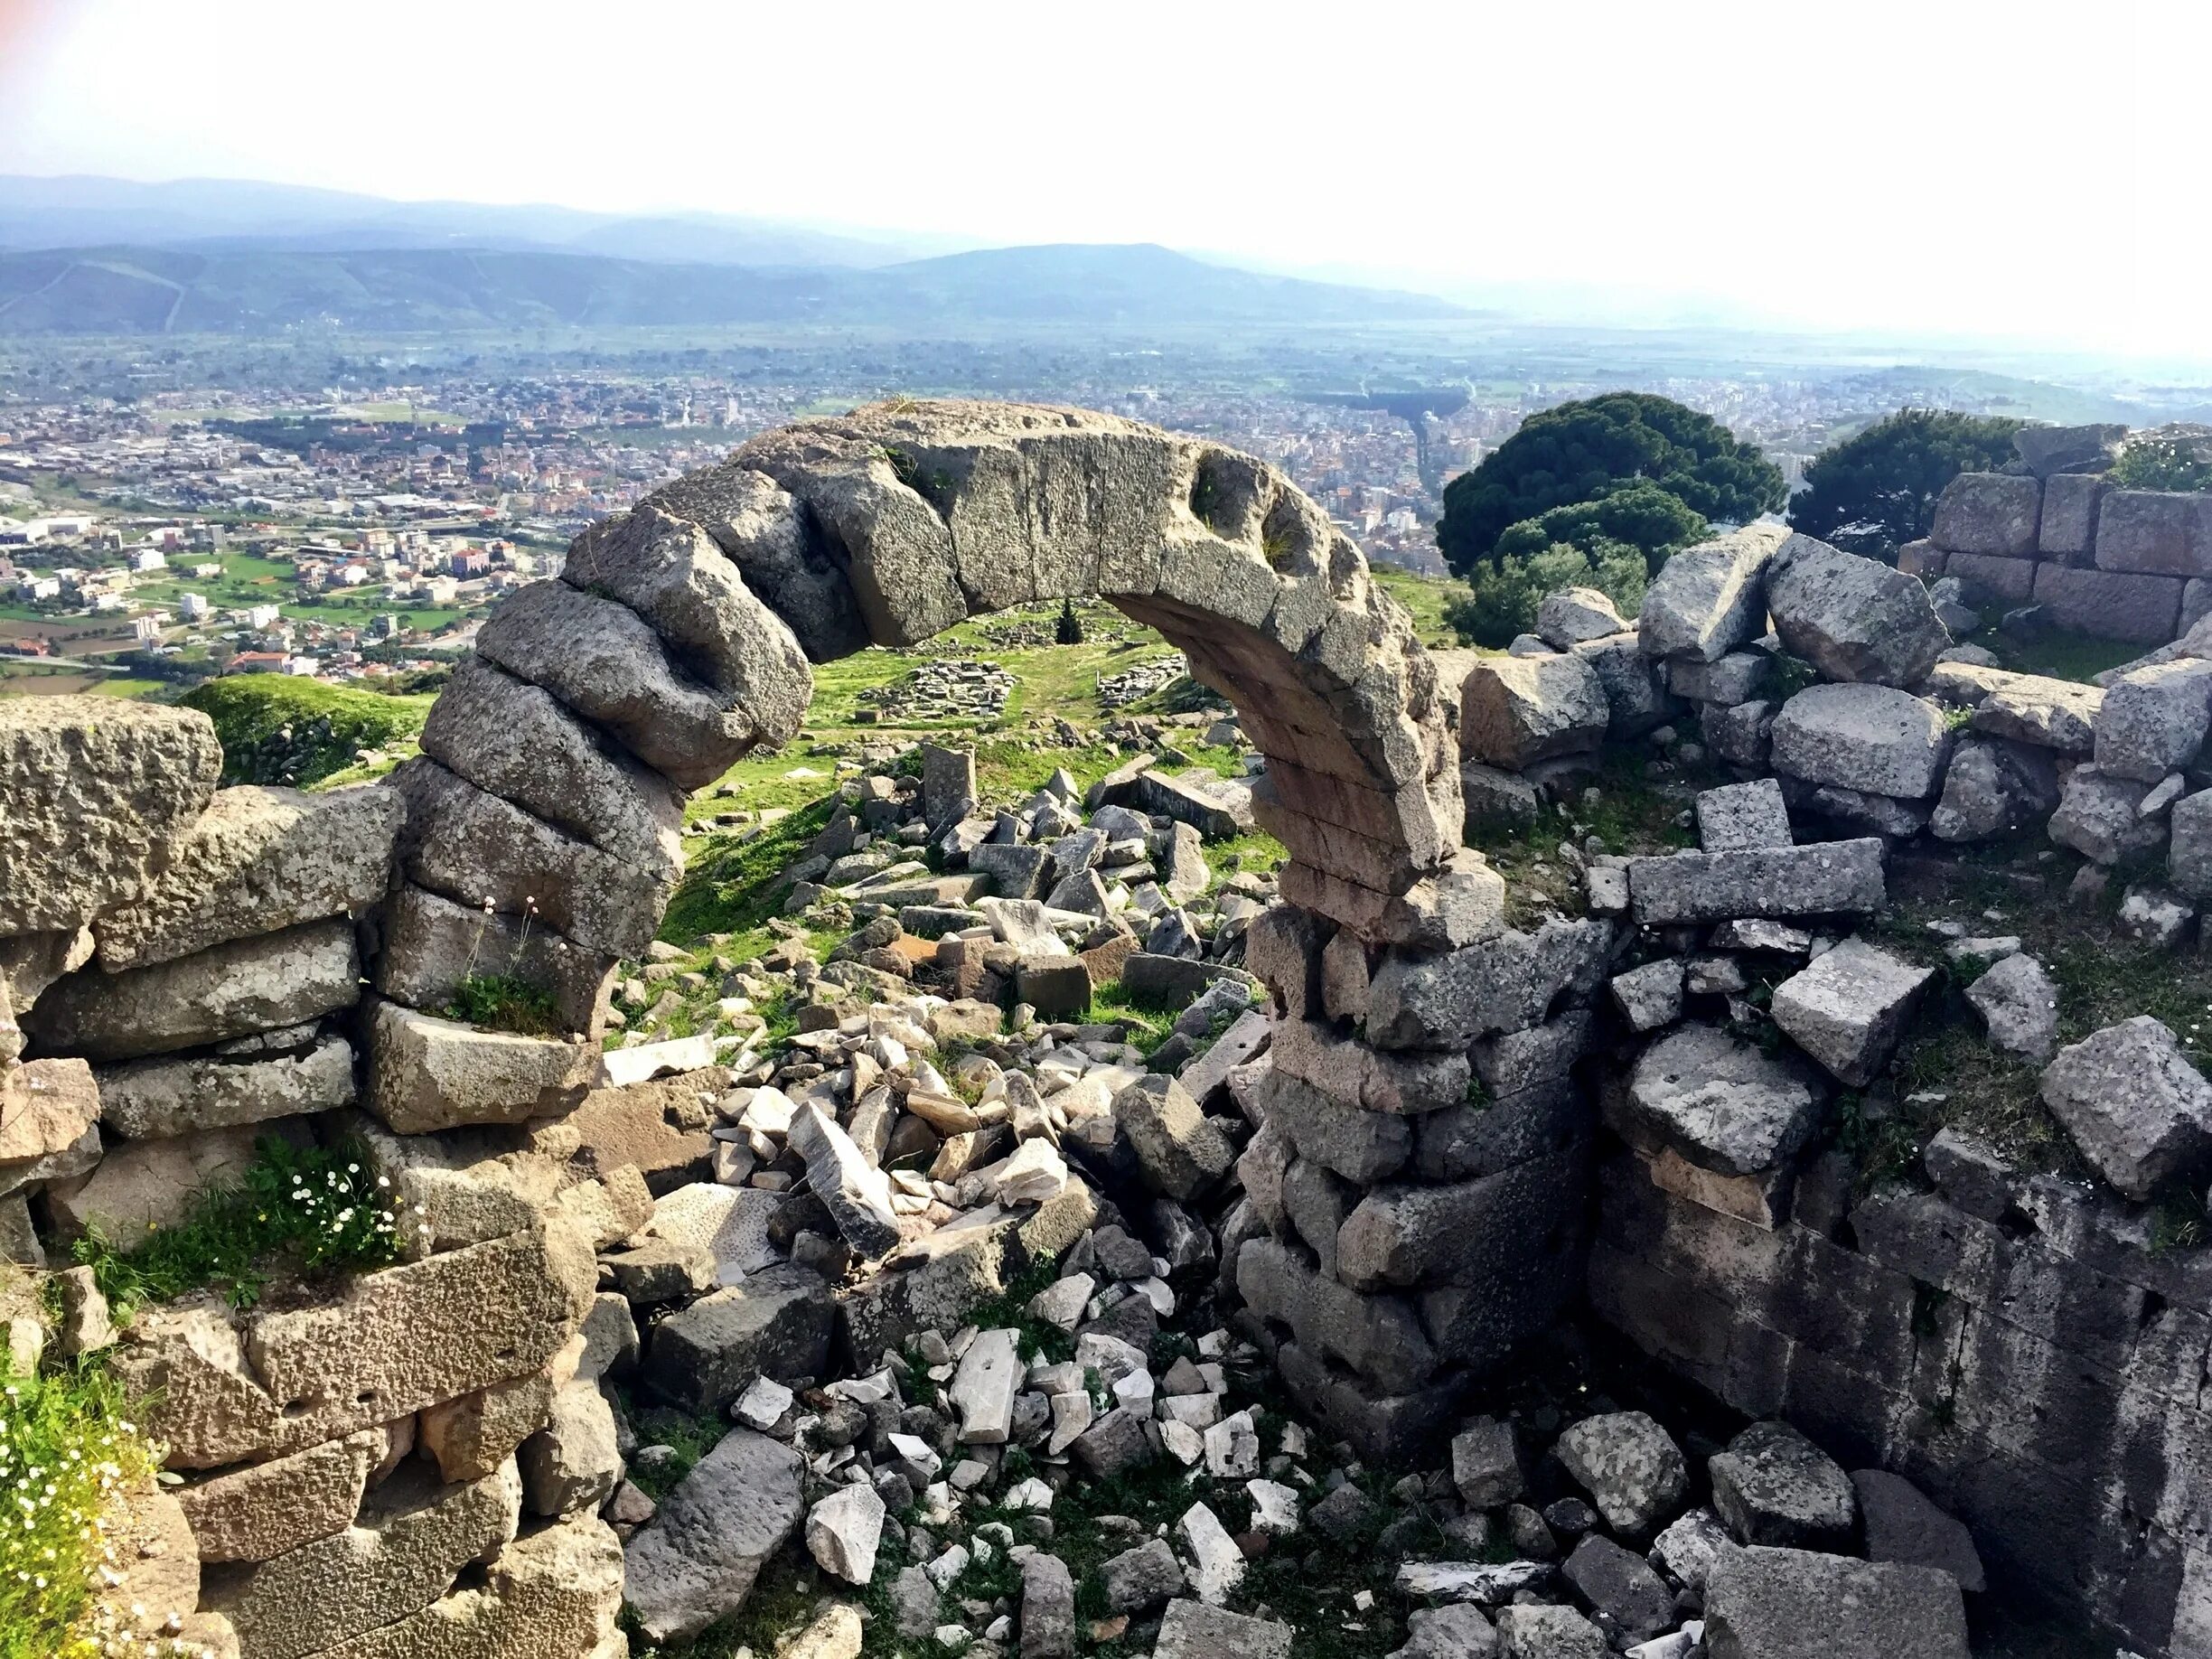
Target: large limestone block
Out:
[2051,714]
[427,1074]
[1850,1007]
[696,1559]
[2188,855]
[1181,1150]
[662,1126]
[857,1195]
[145,1100]
[2071,505]
[512,739]
[1631,1467]
[606,664]
[1722,1103]
[2097,816]
[2110,605]
[2054,453]
[572,1463]
[1816,879]
[267,1509]
[670,572]
[478,849]
[393,1342]
[1517,711]
[555,1590]
[1462,1232]
[411,1540]
[92,791]
[1874,738]
[1989,513]
[1381,1337]
[230,990]
[2153,720]
[2155,532]
[1503,984]
[2132,1102]
[786,560]
[776,1323]
[1853,618]
[1567,616]
[1993,788]
[257,861]
[432,945]
[1636,698]
[1796,1604]
[151,1184]
[471,1436]
[1706,600]
[48,1121]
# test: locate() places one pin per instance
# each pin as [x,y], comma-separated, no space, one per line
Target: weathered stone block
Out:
[1737,816]
[777,1323]
[1989,513]
[1378,1336]
[1518,710]
[92,791]
[1794,1604]
[1850,1007]
[2153,720]
[1706,600]
[1853,618]
[1876,738]
[698,1558]
[144,1100]
[2109,605]
[2069,525]
[2154,532]
[429,1074]
[1825,877]
[1722,1103]
[2132,1102]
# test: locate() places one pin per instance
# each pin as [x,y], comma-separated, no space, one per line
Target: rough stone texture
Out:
[391,1343]
[1507,983]
[1850,1007]
[1047,1608]
[1993,788]
[2071,504]
[843,1530]
[2051,714]
[1567,616]
[1853,618]
[669,570]
[1630,1466]
[1722,1103]
[426,1073]
[432,944]
[1989,513]
[856,1194]
[573,1462]
[1538,1632]
[2020,1006]
[234,990]
[2132,1102]
[144,1100]
[1779,881]
[265,1509]
[2153,720]
[776,1323]
[411,1540]
[2188,857]
[93,790]
[697,1557]
[1901,1526]
[48,1121]
[1620,1587]
[2153,532]
[1742,815]
[477,849]
[152,1183]
[2112,605]
[2097,816]
[1192,1630]
[257,861]
[512,740]
[1773,1486]
[1378,1336]
[1706,600]
[1875,738]
[1792,1604]
[1517,711]
[603,662]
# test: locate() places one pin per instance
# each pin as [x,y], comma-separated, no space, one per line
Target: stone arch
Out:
[888,525]
[682,634]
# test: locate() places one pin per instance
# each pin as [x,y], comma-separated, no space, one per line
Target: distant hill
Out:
[250,290]
[239,215]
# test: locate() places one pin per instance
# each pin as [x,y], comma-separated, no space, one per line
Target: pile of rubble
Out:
[944,688]
[1140,680]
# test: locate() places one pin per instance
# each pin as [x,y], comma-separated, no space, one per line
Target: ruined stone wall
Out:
[2134,564]
[195,968]
[2030,1350]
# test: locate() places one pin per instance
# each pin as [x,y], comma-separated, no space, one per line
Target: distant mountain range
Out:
[105,256]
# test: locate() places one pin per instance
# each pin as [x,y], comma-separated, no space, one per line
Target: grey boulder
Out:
[1708,599]
[1773,1486]
[1875,738]
[696,1559]
[2132,1102]
[1853,618]
[2019,1005]
[1631,1467]
[1849,1007]
[1722,1103]
[1794,1604]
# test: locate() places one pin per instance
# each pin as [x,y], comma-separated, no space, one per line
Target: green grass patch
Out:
[498,1002]
[67,1450]
[730,885]
[2060,654]
[277,729]
[313,1212]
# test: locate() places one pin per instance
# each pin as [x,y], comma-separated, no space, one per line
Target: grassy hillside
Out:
[298,732]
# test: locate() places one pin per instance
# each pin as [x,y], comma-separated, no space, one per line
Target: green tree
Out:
[1873,492]
[1069,629]
[1582,454]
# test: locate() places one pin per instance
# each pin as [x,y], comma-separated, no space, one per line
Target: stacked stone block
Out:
[2119,563]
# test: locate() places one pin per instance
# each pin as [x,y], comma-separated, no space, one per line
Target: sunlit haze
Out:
[2023,169]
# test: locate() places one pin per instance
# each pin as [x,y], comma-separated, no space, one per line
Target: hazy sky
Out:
[2028,168]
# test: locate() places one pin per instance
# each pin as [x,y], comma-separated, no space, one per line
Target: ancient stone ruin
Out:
[1443,1135]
